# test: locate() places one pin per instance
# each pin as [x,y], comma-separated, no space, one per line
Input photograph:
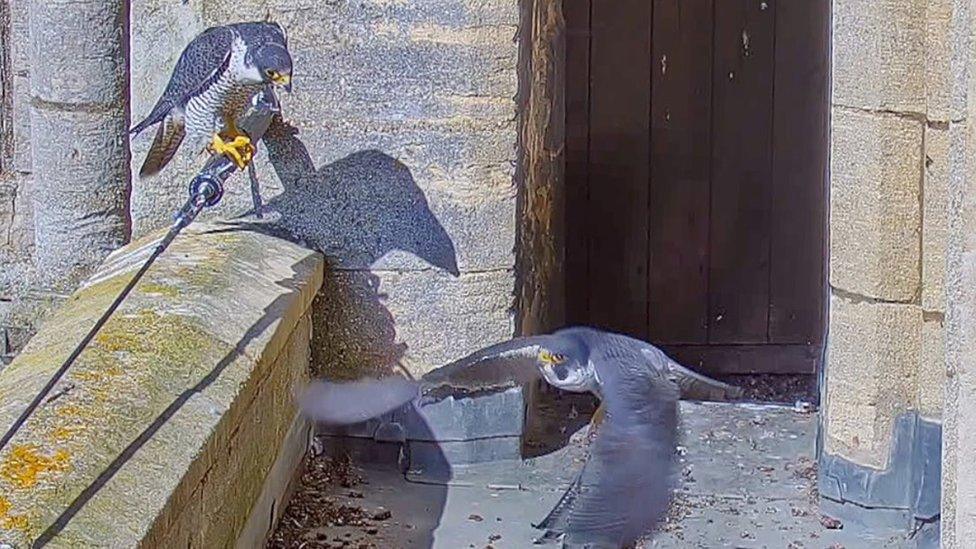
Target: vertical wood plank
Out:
[800,126]
[577,16]
[681,72]
[741,171]
[619,164]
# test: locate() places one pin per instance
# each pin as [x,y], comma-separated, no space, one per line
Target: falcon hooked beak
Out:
[280,79]
[550,359]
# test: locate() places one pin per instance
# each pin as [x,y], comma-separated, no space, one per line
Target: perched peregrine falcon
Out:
[624,488]
[215,78]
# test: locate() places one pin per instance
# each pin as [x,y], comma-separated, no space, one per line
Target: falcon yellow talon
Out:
[239,149]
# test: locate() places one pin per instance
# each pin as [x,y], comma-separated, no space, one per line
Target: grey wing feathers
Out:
[556,521]
[200,64]
[353,402]
[625,486]
[493,368]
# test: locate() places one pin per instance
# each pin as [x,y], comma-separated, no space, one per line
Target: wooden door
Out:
[696,177]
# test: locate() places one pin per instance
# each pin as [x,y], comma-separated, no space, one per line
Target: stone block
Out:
[941,46]
[875,218]
[195,395]
[873,355]
[16,219]
[879,55]
[20,84]
[367,323]
[8,196]
[373,209]
[932,368]
[935,218]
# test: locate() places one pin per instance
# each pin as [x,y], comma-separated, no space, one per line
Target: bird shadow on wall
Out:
[356,211]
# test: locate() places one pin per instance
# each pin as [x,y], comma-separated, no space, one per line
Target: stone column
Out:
[891,113]
[79,143]
[959,440]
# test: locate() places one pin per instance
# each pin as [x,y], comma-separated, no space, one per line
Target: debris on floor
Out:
[315,518]
[780,388]
[748,479]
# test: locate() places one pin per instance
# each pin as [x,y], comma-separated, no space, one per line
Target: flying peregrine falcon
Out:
[624,488]
[214,80]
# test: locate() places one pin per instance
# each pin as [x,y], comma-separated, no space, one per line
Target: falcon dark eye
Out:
[270,73]
[561,371]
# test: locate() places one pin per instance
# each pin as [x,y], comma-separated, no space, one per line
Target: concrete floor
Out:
[748,480]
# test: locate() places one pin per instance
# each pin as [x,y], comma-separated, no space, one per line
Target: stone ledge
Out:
[165,430]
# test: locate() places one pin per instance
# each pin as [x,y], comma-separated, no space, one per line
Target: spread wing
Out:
[624,489]
[357,401]
[493,368]
[201,63]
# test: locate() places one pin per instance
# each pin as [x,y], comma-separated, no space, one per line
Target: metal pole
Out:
[206,190]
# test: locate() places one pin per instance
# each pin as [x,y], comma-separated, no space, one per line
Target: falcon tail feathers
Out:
[695,386]
[169,135]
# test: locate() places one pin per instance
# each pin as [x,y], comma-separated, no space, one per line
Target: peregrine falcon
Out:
[214,80]
[624,488]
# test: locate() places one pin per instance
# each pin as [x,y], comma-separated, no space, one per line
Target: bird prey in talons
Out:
[624,488]
[212,85]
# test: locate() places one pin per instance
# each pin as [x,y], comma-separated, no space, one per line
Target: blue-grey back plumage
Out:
[201,62]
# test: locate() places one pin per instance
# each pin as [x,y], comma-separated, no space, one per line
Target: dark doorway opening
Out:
[696,173]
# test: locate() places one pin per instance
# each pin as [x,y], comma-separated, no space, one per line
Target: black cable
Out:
[184,218]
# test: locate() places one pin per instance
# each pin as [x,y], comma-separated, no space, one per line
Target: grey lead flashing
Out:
[450,432]
[452,419]
[911,483]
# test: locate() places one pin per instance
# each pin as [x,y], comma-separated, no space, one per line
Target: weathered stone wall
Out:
[64,185]
[401,159]
[19,298]
[892,121]
[177,423]
[895,116]
[959,426]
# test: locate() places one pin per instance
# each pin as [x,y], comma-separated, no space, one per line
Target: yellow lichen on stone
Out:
[9,521]
[63,433]
[159,289]
[188,329]
[114,342]
[68,411]
[15,522]
[26,463]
